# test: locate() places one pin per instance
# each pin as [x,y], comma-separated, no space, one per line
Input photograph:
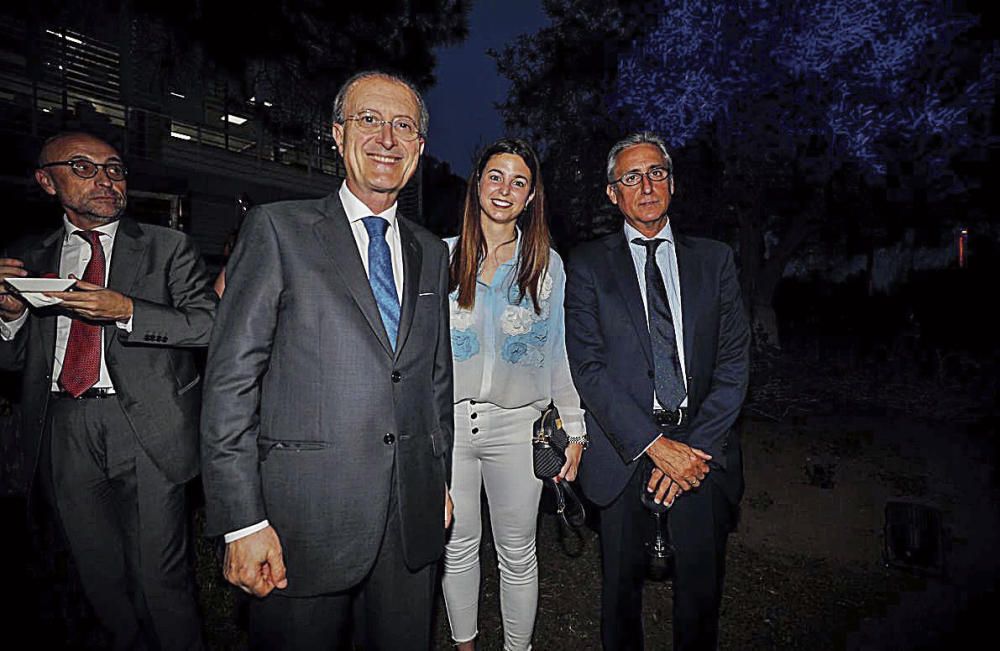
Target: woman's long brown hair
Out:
[470,251]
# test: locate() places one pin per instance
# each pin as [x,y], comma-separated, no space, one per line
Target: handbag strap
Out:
[567,502]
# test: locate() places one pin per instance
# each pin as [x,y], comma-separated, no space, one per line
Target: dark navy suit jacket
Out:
[612,363]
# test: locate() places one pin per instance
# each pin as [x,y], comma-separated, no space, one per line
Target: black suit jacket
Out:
[612,363]
[153,367]
[311,420]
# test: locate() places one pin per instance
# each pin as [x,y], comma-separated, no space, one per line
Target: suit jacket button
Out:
[396,376]
[389,438]
[650,375]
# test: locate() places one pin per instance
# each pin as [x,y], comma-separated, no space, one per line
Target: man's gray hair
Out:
[638,138]
[341,99]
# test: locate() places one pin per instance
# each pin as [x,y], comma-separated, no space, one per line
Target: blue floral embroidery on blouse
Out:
[527,349]
[464,344]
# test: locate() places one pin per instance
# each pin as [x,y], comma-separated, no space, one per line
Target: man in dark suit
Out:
[110,392]
[658,348]
[327,428]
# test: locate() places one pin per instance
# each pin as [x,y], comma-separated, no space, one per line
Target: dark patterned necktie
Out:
[380,276]
[82,362]
[669,382]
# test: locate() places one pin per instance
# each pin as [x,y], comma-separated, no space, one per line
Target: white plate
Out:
[31,288]
[40,284]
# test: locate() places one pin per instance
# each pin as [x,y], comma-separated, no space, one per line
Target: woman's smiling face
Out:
[504,188]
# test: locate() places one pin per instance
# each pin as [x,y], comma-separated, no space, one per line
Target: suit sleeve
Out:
[238,356]
[444,396]
[624,420]
[188,320]
[564,394]
[718,411]
[12,350]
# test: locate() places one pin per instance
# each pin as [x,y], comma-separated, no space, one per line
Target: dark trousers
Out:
[126,524]
[699,524]
[390,610]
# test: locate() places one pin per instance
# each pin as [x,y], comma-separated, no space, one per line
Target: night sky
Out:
[463,116]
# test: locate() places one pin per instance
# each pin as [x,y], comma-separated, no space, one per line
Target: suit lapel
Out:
[48,262]
[334,232]
[690,277]
[412,260]
[623,269]
[126,260]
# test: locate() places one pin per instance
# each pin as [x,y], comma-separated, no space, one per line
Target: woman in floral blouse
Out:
[508,344]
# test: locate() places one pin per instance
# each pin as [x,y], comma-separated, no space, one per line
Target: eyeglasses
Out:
[87,169]
[655,175]
[371,122]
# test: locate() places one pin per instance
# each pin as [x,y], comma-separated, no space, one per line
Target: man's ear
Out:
[338,136]
[671,186]
[611,194]
[45,180]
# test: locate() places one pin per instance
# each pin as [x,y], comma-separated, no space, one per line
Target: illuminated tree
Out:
[792,97]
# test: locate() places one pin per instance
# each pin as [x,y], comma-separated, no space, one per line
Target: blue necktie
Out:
[669,382]
[380,276]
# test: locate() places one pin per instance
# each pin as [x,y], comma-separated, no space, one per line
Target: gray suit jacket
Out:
[310,417]
[153,367]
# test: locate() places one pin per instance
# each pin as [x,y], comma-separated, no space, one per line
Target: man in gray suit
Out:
[110,392]
[327,426]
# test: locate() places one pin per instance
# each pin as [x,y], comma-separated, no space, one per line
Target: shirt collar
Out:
[666,233]
[356,209]
[108,229]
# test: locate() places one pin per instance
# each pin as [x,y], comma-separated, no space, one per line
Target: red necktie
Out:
[82,363]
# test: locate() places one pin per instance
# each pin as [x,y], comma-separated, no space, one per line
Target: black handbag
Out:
[548,445]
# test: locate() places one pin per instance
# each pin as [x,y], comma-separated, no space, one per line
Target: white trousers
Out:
[493,450]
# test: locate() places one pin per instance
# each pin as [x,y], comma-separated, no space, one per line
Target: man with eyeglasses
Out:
[658,346]
[110,392]
[327,427]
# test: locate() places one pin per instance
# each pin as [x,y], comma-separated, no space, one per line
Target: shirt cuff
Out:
[125,325]
[233,536]
[575,429]
[648,446]
[9,329]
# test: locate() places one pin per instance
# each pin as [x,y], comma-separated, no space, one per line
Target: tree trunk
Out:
[760,274]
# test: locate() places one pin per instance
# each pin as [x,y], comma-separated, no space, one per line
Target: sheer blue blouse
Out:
[508,355]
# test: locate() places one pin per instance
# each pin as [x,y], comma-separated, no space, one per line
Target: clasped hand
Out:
[678,468]
[255,563]
[11,306]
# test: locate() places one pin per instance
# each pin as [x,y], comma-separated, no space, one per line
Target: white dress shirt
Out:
[76,253]
[356,211]
[666,260]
